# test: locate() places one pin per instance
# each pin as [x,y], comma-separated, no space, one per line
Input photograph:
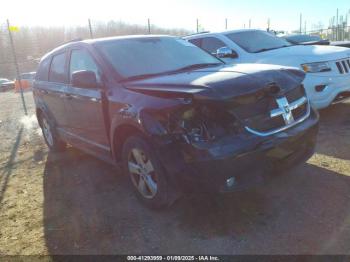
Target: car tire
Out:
[51,138]
[147,176]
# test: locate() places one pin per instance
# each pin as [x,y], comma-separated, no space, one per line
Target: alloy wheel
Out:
[142,173]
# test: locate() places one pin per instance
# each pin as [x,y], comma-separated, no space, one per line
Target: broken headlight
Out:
[203,124]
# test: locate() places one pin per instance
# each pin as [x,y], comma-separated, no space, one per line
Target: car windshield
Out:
[257,41]
[3,80]
[149,56]
[302,38]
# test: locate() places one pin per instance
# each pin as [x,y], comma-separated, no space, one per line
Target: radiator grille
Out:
[343,66]
[257,116]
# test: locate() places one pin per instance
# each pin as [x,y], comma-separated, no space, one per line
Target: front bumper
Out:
[334,86]
[248,159]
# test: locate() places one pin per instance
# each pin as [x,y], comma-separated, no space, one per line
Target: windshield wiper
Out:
[143,76]
[195,66]
[185,68]
[268,49]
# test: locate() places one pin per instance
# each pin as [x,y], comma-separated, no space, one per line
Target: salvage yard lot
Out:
[71,203]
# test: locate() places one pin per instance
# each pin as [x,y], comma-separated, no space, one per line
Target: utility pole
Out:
[337,30]
[226,23]
[197,26]
[90,29]
[301,22]
[17,68]
[250,23]
[268,24]
[149,25]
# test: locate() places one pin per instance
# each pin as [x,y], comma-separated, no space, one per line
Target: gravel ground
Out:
[71,203]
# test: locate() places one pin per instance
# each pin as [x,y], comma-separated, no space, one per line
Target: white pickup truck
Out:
[327,67]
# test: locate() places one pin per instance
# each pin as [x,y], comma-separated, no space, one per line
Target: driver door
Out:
[86,125]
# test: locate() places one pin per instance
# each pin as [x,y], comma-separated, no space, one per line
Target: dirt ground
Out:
[71,203]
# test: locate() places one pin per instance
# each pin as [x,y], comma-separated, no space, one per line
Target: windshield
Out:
[153,55]
[257,41]
[302,38]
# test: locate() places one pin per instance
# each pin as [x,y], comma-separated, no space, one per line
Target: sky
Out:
[283,14]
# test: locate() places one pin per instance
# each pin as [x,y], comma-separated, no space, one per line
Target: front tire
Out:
[146,174]
[52,140]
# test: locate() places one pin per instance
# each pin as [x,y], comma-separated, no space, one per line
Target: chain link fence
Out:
[336,33]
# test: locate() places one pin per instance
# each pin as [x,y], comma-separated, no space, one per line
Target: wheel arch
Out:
[120,134]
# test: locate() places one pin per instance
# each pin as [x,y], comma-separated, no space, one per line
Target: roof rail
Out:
[202,32]
[73,40]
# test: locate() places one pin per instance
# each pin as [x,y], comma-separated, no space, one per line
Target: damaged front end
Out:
[216,140]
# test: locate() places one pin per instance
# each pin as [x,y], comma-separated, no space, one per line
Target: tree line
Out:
[31,43]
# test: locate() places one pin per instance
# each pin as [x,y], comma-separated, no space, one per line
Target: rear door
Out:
[51,88]
[85,109]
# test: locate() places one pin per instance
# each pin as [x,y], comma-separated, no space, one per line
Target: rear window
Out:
[43,71]
[57,69]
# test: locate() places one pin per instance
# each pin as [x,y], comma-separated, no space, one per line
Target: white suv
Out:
[327,67]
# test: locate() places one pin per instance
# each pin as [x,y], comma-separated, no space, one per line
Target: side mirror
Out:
[84,78]
[225,52]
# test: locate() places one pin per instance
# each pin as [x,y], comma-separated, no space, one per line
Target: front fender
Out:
[132,120]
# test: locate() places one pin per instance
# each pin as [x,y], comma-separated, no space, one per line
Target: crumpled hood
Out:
[220,83]
[304,54]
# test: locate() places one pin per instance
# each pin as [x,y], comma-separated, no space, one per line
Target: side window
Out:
[57,69]
[43,70]
[211,44]
[196,42]
[82,60]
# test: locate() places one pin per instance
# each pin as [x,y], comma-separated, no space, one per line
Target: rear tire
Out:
[50,135]
[147,176]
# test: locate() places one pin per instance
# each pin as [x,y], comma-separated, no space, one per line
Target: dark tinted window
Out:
[82,60]
[57,69]
[43,71]
[211,44]
[196,42]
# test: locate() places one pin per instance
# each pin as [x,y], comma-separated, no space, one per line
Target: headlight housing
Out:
[316,67]
[203,123]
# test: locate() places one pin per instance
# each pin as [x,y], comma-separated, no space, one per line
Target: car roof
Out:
[221,32]
[114,38]
[78,42]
